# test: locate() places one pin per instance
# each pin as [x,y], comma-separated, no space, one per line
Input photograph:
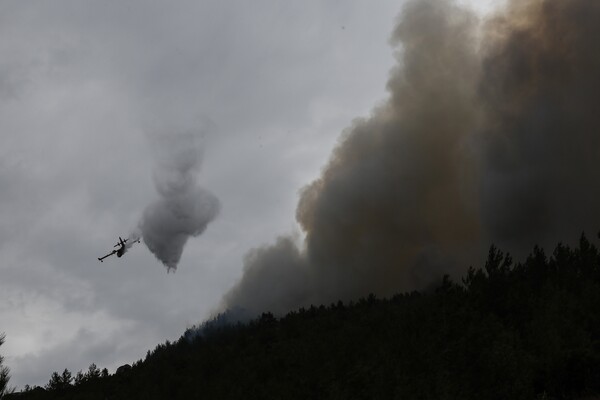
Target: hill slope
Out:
[526,330]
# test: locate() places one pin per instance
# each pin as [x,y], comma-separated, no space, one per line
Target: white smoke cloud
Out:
[183,208]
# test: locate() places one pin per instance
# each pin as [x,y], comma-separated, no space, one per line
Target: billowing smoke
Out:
[183,208]
[540,144]
[491,133]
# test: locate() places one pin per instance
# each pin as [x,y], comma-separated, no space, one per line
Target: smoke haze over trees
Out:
[489,135]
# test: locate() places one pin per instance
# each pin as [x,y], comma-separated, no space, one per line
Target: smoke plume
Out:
[183,208]
[491,133]
[540,144]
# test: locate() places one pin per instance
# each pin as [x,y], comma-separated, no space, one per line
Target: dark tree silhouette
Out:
[60,382]
[4,373]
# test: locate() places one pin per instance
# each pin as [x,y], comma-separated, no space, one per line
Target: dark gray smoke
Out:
[540,144]
[183,208]
[490,134]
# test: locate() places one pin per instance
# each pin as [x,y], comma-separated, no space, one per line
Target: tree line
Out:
[521,330]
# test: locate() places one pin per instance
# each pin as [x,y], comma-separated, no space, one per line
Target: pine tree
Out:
[60,382]
[4,374]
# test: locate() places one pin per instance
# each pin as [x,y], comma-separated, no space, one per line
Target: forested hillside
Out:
[507,331]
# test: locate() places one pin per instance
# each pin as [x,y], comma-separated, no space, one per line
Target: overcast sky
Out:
[82,84]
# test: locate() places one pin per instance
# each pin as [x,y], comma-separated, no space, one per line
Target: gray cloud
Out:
[489,138]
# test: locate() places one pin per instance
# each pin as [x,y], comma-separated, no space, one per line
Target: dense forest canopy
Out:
[527,330]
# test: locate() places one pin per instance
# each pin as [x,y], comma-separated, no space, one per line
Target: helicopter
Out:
[121,248]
